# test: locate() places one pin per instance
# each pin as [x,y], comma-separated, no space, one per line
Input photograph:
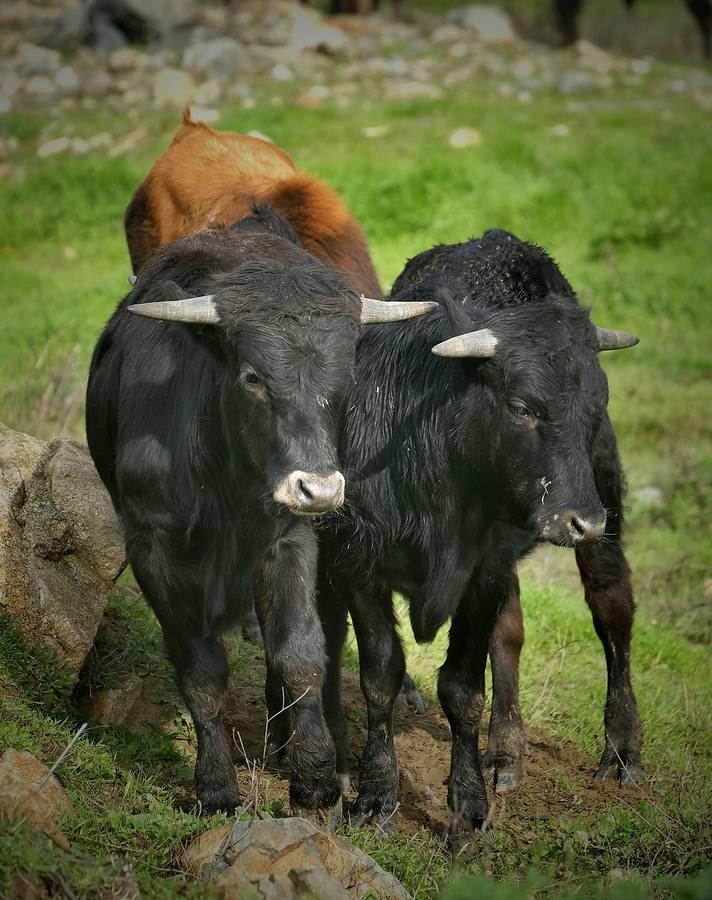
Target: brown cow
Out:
[211,179]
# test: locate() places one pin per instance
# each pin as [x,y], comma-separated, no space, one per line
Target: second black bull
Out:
[458,463]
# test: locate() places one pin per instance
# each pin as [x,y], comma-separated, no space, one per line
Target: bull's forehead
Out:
[548,357]
[316,351]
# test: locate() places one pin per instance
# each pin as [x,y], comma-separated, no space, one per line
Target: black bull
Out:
[214,429]
[458,463]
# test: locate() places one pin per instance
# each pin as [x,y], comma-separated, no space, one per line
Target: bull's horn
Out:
[132,280]
[375,311]
[197,310]
[615,340]
[480,343]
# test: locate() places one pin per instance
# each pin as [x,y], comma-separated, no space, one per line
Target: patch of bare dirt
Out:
[558,779]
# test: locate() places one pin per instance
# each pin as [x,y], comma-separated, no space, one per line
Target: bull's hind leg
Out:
[506,741]
[202,673]
[294,647]
[609,594]
[382,666]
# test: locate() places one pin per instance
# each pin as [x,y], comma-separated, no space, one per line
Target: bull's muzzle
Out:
[573,528]
[309,494]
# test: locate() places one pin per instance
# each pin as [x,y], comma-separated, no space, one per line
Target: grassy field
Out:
[622,201]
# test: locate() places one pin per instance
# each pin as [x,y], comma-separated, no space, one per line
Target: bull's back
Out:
[211,179]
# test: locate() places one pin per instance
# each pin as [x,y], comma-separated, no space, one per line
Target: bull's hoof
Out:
[465,839]
[409,699]
[503,772]
[626,768]
[316,798]
[225,799]
[326,819]
[378,809]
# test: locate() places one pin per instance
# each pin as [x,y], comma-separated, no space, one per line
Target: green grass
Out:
[623,204]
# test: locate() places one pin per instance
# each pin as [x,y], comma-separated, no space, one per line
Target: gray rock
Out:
[218,57]
[33,60]
[173,87]
[574,81]
[61,547]
[40,86]
[280,859]
[66,79]
[648,496]
[492,24]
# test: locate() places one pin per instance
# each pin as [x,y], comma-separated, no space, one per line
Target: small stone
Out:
[111,706]
[173,87]
[128,142]
[280,72]
[523,68]
[103,139]
[447,34]
[464,137]
[561,130]
[34,60]
[220,57]
[204,114]
[648,496]
[9,85]
[5,104]
[574,81]
[640,66]
[409,90]
[69,253]
[40,86]
[66,79]
[249,103]
[126,59]
[208,92]
[80,146]
[375,131]
[58,145]
[491,24]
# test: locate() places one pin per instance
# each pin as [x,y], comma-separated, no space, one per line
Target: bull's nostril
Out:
[305,494]
[577,528]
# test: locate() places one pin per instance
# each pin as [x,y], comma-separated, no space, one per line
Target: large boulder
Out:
[61,547]
[280,859]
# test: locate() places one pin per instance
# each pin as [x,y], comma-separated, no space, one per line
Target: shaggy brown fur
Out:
[212,179]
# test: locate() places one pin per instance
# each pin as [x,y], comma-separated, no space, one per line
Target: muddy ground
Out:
[558,775]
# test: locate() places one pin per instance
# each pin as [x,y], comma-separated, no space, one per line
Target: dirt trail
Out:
[558,775]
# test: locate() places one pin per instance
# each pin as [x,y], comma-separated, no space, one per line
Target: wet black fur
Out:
[190,455]
[444,482]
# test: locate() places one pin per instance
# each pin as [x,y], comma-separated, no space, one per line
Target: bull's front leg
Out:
[382,666]
[296,660]
[461,690]
[201,667]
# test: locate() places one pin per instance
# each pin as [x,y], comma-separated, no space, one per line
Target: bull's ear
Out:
[374,312]
[615,340]
[480,344]
[194,310]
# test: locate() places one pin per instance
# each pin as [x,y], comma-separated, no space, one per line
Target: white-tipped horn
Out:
[482,344]
[615,340]
[379,311]
[132,280]
[196,310]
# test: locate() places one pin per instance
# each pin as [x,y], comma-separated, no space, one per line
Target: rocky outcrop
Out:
[61,548]
[279,859]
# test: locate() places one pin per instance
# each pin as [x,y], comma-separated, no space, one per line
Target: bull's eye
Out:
[250,379]
[521,413]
